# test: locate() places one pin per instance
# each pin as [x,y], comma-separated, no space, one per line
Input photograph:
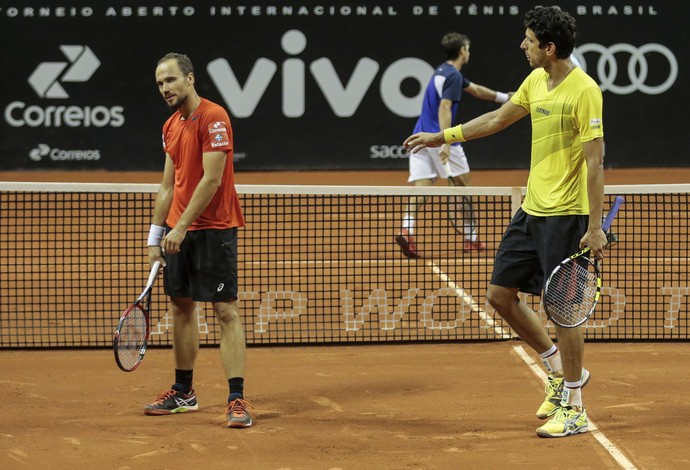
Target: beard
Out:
[175,105]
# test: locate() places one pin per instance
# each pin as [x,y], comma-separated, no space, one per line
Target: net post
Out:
[515,199]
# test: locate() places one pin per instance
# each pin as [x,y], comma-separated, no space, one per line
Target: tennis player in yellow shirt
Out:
[563,206]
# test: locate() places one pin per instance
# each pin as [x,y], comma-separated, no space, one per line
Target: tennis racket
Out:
[460,213]
[132,332]
[573,288]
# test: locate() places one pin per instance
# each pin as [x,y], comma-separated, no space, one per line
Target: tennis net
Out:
[320,265]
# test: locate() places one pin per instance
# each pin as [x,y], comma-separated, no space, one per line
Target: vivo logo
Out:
[344,95]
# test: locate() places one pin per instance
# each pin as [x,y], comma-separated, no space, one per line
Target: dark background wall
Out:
[316,85]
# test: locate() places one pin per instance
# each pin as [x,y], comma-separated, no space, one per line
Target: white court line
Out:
[467,298]
[617,455]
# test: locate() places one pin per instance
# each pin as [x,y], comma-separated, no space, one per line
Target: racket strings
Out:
[132,337]
[461,216]
[573,292]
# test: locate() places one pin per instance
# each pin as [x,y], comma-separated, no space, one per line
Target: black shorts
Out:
[533,246]
[205,269]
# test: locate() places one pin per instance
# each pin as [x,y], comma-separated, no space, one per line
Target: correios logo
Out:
[47,81]
[42,151]
[37,154]
[343,96]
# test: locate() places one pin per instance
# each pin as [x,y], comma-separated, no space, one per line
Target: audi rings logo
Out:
[637,67]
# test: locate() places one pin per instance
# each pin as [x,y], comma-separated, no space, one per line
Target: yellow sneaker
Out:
[554,393]
[566,421]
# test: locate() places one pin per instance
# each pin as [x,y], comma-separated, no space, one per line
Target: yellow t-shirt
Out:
[562,119]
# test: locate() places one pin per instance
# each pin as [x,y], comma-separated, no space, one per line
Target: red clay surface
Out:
[415,406]
[420,406]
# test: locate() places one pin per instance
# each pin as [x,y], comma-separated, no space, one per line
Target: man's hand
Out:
[596,240]
[172,241]
[156,254]
[417,142]
[444,153]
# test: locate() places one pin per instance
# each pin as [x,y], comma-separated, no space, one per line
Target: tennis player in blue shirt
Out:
[441,100]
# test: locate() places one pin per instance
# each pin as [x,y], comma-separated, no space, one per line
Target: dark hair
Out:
[452,43]
[551,24]
[183,62]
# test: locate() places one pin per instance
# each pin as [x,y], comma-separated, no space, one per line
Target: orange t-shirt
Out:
[185,140]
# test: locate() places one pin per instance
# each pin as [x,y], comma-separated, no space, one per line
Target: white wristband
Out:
[156,233]
[501,97]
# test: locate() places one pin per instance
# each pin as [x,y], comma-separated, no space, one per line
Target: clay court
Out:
[420,405]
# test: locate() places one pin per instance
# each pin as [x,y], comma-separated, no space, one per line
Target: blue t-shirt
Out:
[447,83]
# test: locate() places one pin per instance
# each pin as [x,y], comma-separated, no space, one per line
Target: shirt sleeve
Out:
[589,114]
[164,133]
[452,88]
[216,132]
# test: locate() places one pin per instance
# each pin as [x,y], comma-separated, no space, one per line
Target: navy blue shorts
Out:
[533,246]
[205,269]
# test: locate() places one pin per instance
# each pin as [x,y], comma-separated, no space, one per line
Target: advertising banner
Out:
[319,85]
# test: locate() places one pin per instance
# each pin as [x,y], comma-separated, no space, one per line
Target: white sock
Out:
[470,232]
[408,223]
[572,393]
[552,361]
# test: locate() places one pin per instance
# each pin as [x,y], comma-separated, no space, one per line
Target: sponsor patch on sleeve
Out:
[595,123]
[219,134]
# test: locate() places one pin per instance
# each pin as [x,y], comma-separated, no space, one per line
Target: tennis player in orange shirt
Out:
[194,235]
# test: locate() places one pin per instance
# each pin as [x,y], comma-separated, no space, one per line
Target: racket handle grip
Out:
[446,166]
[612,213]
[154,272]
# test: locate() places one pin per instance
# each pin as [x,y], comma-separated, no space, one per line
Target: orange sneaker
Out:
[473,246]
[172,401]
[238,416]
[407,244]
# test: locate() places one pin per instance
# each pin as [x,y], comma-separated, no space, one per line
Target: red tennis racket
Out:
[132,332]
